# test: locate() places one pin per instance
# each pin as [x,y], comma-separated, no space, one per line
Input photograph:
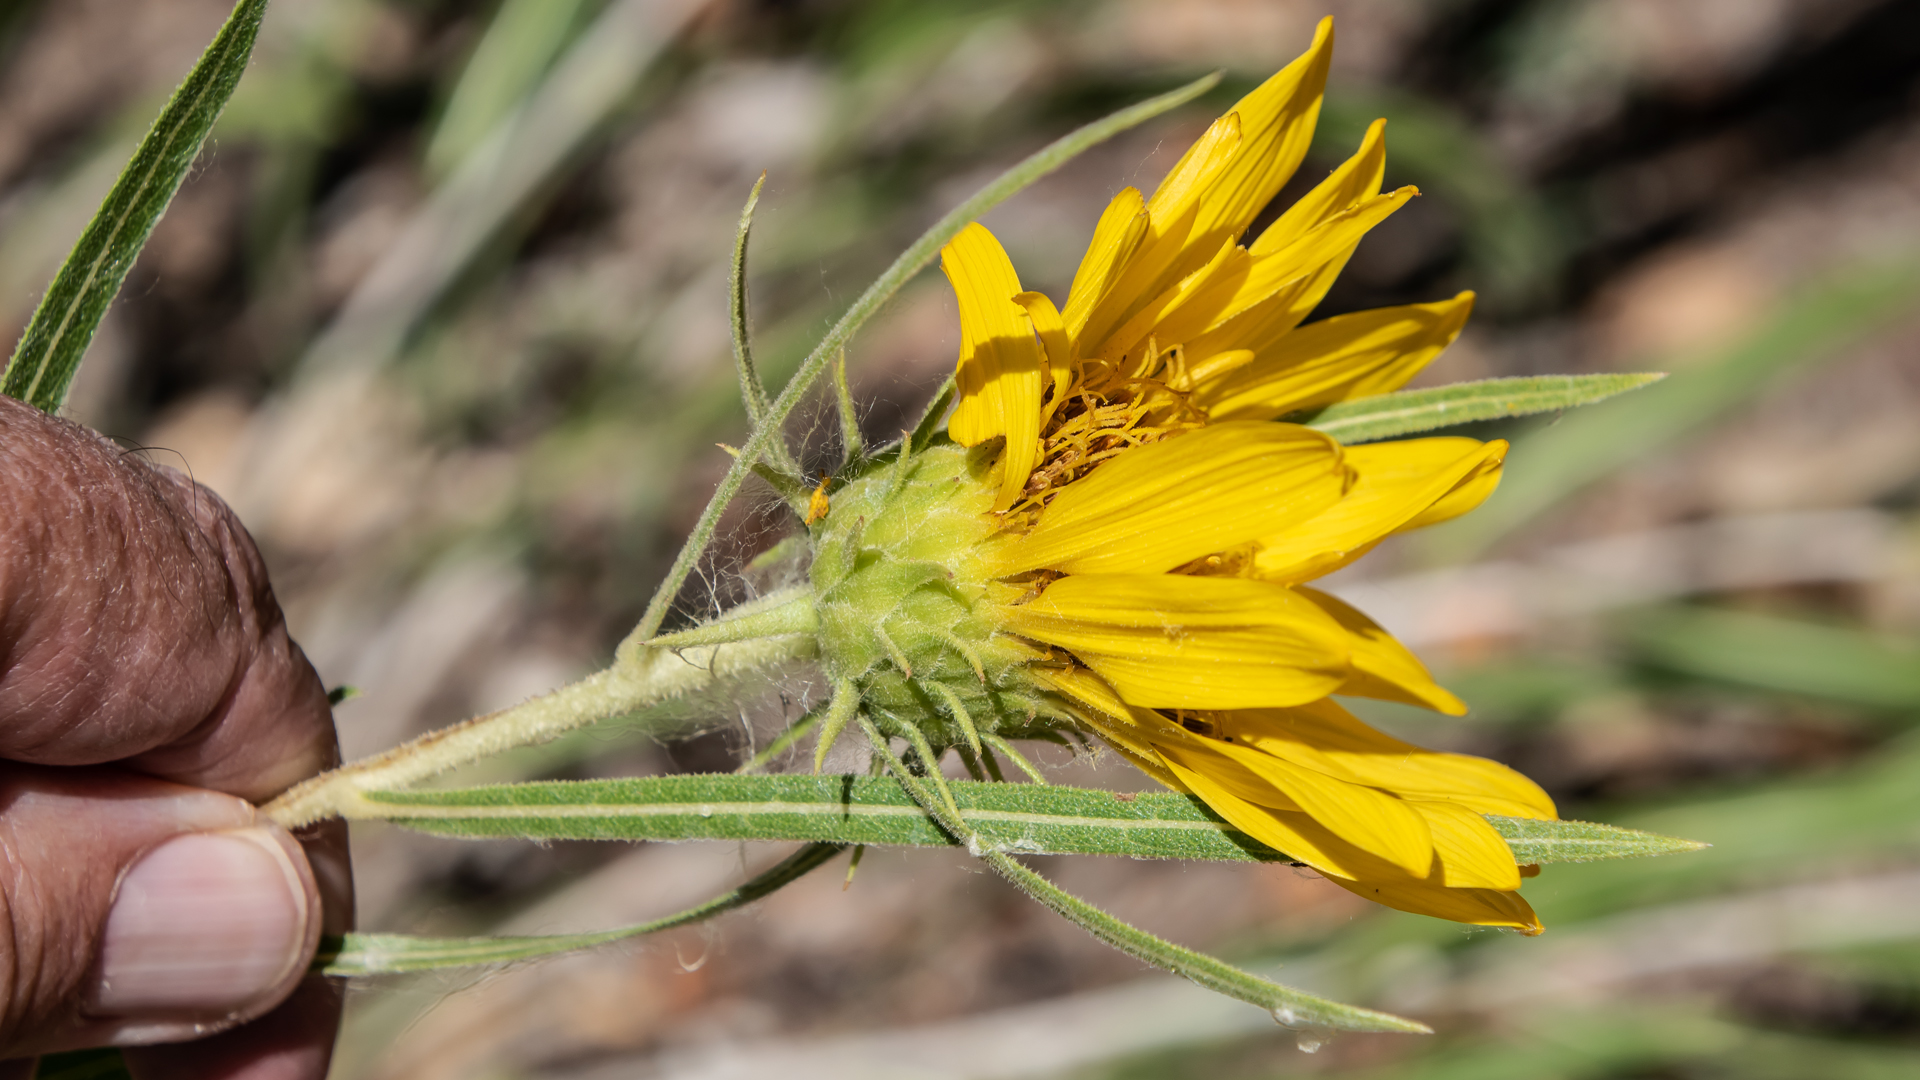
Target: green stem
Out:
[639,681]
[1289,1006]
[384,954]
[911,261]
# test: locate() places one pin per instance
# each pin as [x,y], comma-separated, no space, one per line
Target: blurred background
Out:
[443,314]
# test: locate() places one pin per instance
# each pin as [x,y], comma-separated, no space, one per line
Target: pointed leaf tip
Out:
[1406,412]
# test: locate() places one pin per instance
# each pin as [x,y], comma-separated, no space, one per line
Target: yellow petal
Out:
[1264,324]
[1235,281]
[1171,641]
[1122,226]
[1291,833]
[1478,907]
[1357,177]
[1000,368]
[1276,125]
[1374,821]
[1382,667]
[1156,507]
[1347,356]
[1471,491]
[1053,341]
[1163,256]
[1471,854]
[1087,689]
[1244,783]
[1380,760]
[1394,483]
[1099,707]
[1307,841]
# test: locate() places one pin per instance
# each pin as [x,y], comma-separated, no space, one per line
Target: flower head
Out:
[1128,542]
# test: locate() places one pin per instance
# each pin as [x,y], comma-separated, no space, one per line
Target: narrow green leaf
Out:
[753,392]
[852,446]
[388,954]
[1404,412]
[1291,1007]
[916,258]
[49,352]
[1294,1008]
[1020,818]
[1539,842]
[929,423]
[1787,655]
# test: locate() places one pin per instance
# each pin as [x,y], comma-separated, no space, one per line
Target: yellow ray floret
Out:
[1169,641]
[1154,525]
[1395,484]
[1276,125]
[999,374]
[1347,356]
[1267,322]
[1158,506]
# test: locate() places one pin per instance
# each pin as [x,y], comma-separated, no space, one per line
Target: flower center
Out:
[1105,411]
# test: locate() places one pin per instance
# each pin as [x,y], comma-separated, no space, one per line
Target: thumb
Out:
[134,910]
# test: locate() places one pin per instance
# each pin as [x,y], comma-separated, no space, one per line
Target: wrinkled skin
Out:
[147,688]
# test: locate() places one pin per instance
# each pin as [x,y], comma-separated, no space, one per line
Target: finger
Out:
[136,622]
[293,1042]
[133,910]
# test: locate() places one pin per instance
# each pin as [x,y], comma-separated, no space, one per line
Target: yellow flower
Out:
[1152,526]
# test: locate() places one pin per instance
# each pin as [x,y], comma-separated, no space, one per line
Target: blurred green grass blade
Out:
[918,256]
[49,352]
[497,183]
[104,1063]
[521,42]
[1626,1041]
[1596,1043]
[1786,655]
[1405,412]
[1553,464]
[1019,818]
[389,954]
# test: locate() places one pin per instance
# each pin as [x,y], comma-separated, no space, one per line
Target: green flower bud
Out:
[900,592]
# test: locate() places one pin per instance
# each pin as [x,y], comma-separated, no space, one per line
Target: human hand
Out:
[149,697]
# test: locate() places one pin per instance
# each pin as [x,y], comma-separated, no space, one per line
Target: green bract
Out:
[901,599]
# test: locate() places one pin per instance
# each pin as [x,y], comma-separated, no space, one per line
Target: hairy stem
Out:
[638,680]
[386,954]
